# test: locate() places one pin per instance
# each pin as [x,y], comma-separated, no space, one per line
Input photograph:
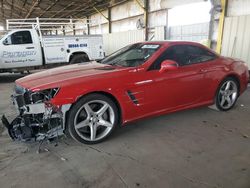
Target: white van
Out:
[25,49]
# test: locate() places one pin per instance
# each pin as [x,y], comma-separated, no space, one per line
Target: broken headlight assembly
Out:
[38,119]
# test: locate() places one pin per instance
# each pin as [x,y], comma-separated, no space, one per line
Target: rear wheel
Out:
[227,94]
[92,119]
[79,58]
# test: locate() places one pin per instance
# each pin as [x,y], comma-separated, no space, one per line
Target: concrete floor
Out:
[194,148]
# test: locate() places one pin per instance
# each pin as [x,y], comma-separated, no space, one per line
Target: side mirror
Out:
[6,42]
[168,65]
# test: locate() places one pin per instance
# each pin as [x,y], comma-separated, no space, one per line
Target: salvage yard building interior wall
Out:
[193,32]
[115,41]
[124,18]
[236,38]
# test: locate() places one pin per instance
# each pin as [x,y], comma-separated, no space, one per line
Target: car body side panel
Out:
[155,93]
[111,84]
[239,68]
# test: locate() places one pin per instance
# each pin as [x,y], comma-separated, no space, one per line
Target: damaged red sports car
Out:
[89,100]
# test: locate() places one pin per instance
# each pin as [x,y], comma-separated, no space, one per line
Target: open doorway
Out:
[189,22]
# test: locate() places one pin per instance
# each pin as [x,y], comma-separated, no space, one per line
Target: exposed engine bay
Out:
[38,119]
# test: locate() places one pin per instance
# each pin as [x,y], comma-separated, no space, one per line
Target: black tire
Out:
[218,98]
[79,58]
[77,107]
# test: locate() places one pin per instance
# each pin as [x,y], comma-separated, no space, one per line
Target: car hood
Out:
[60,76]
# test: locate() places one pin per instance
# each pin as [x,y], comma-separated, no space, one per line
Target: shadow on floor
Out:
[8,78]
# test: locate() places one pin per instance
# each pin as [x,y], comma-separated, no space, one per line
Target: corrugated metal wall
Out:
[159,33]
[238,7]
[115,41]
[125,15]
[194,32]
[236,38]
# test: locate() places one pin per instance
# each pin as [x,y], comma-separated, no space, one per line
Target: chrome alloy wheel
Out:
[94,120]
[228,94]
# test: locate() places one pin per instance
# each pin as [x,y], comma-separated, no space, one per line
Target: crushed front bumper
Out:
[38,119]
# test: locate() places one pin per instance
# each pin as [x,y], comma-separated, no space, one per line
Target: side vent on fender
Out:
[132,97]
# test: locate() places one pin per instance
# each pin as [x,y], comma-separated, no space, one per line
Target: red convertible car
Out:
[89,100]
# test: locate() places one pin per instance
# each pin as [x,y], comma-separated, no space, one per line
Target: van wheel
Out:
[92,119]
[79,58]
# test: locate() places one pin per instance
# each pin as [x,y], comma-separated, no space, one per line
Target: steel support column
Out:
[88,27]
[221,25]
[109,20]
[145,7]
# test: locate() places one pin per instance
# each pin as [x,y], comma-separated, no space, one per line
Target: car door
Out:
[178,88]
[19,49]
[209,65]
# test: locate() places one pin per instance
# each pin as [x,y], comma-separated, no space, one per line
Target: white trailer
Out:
[27,47]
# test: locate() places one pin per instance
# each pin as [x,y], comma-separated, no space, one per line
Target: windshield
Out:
[132,55]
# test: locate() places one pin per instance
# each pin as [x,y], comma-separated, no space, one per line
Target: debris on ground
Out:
[63,159]
[241,105]
[25,150]
[42,150]
[46,149]
[216,125]
[245,136]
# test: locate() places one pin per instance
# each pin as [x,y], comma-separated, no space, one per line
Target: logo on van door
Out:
[18,54]
[77,45]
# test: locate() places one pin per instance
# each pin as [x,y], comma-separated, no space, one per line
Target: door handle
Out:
[30,47]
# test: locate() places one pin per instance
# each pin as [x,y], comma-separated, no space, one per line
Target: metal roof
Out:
[52,8]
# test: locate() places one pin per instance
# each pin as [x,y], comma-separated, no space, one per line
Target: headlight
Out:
[44,95]
[33,97]
[19,90]
[49,93]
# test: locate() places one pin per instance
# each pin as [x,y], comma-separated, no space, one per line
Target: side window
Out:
[176,53]
[199,55]
[21,37]
[183,55]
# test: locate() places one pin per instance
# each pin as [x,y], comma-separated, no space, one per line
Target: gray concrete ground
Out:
[194,148]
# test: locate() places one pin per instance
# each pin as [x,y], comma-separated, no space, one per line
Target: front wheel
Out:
[92,119]
[227,94]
